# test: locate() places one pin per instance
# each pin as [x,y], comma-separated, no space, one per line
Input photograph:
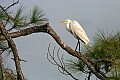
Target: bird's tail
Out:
[88,44]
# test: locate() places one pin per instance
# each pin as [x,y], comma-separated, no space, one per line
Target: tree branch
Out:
[14,50]
[26,32]
[74,53]
[60,63]
[12,5]
[47,29]
[2,69]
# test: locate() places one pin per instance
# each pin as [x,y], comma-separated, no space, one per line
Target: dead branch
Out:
[60,63]
[14,3]
[14,50]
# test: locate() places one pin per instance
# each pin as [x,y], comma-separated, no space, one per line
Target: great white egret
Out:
[77,31]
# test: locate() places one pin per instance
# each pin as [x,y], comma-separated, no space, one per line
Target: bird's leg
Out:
[77,45]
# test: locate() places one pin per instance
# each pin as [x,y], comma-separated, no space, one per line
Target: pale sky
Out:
[91,14]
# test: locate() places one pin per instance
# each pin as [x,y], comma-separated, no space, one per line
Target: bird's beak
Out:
[63,21]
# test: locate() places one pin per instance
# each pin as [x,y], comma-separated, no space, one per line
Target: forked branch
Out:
[14,3]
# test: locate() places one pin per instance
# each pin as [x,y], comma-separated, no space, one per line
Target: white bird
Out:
[77,31]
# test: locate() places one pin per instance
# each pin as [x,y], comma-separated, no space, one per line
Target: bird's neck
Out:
[67,26]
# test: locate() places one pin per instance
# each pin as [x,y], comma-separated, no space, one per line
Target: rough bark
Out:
[14,50]
[2,68]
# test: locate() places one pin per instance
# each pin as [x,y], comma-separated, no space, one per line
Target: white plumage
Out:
[76,30]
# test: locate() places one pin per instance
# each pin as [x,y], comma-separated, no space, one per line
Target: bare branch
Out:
[14,3]
[20,60]
[59,58]
[48,54]
[54,51]
[60,66]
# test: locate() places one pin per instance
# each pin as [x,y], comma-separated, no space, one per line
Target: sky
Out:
[91,14]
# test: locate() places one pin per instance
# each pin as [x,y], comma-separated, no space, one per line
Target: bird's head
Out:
[66,21]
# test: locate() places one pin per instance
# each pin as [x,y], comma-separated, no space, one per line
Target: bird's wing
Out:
[70,28]
[78,27]
[79,32]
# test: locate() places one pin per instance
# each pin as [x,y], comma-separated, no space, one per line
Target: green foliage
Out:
[17,21]
[9,76]
[37,16]
[75,65]
[104,52]
[21,19]
[2,15]
[3,45]
[105,47]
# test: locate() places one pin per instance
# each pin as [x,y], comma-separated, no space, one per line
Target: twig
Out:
[48,54]
[61,65]
[3,50]
[12,5]
[20,60]
[4,10]
[89,75]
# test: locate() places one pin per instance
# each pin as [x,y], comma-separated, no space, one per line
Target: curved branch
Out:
[47,29]
[74,53]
